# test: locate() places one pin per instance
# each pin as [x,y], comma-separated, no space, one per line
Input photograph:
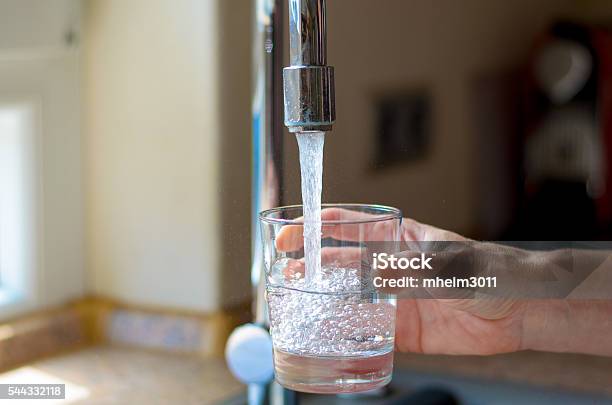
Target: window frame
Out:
[20,278]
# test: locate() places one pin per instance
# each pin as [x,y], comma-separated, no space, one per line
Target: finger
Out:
[415,231]
[290,237]
[360,230]
[340,256]
[294,267]
[330,256]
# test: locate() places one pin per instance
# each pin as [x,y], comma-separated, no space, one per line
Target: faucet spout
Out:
[308,83]
[307,33]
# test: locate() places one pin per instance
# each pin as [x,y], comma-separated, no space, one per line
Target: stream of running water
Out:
[311,166]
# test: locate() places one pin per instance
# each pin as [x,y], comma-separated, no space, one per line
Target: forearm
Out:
[575,326]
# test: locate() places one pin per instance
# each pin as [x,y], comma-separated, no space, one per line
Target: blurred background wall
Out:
[152,159]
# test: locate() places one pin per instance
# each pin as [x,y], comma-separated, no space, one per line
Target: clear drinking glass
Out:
[334,333]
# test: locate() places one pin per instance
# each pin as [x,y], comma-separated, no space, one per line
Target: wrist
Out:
[575,326]
[546,326]
[572,325]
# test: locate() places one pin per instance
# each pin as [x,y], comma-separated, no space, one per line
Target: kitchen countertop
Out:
[118,375]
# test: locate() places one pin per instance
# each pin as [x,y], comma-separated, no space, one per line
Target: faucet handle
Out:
[248,353]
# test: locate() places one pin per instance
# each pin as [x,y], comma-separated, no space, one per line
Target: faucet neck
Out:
[307,32]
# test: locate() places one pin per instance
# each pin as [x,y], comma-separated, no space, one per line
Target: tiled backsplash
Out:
[92,321]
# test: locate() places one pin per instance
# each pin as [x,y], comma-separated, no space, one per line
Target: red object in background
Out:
[602,42]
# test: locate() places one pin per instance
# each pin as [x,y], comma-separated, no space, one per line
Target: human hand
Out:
[449,326]
[482,326]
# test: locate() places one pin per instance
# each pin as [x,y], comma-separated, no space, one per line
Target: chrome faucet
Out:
[308,82]
[309,105]
[308,87]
